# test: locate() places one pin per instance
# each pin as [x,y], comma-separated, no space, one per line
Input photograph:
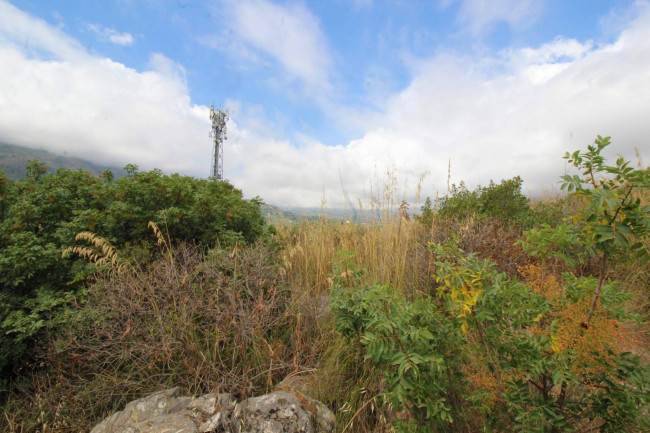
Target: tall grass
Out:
[383,247]
[384,239]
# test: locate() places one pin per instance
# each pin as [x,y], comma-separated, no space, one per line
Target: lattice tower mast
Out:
[219,118]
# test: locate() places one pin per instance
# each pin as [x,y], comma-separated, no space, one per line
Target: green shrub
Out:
[503,201]
[427,215]
[459,203]
[41,214]
[517,350]
[413,346]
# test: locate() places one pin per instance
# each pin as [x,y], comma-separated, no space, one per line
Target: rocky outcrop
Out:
[167,412]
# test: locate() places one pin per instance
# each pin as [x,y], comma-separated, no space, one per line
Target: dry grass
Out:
[384,248]
[220,322]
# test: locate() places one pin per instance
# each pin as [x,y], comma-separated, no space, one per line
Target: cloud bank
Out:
[493,117]
[56,95]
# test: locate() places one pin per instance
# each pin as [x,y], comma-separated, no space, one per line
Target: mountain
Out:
[274,214]
[13,160]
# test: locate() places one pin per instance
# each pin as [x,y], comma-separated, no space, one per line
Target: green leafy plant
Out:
[544,352]
[410,341]
[427,215]
[503,201]
[612,218]
[535,367]
[41,214]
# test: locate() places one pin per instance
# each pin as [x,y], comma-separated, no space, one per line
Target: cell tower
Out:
[219,118]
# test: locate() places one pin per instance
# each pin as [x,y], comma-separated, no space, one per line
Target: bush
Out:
[427,215]
[503,201]
[41,214]
[206,322]
[518,351]
[546,349]
[413,346]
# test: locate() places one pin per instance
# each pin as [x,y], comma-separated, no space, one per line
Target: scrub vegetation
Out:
[483,312]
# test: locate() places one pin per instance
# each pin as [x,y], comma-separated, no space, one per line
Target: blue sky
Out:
[326,96]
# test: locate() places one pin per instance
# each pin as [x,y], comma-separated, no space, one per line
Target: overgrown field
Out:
[480,311]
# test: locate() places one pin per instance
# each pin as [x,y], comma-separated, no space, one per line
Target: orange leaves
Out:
[483,380]
[487,383]
[546,285]
[593,350]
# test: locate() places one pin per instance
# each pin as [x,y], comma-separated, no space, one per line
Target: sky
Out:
[330,101]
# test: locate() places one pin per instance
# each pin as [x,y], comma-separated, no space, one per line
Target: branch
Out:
[489,354]
[609,388]
[629,191]
[594,300]
[538,386]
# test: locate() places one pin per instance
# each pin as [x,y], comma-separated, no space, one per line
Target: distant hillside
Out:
[13,160]
[335,214]
[274,214]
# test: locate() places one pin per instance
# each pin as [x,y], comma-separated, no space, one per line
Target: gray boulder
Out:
[282,411]
[167,412]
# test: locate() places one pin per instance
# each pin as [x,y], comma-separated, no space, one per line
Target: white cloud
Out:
[121,38]
[477,16]
[111,35]
[494,118]
[168,68]
[35,36]
[55,95]
[290,35]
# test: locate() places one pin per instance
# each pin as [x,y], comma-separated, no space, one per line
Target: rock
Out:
[282,411]
[153,409]
[208,404]
[167,412]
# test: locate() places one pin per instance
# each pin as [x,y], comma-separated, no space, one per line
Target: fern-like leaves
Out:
[101,253]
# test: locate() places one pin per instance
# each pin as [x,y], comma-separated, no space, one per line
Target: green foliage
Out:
[427,215]
[611,214]
[35,169]
[503,201]
[41,214]
[459,203]
[562,242]
[3,192]
[412,344]
[537,368]
[532,367]
[549,212]
[546,352]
